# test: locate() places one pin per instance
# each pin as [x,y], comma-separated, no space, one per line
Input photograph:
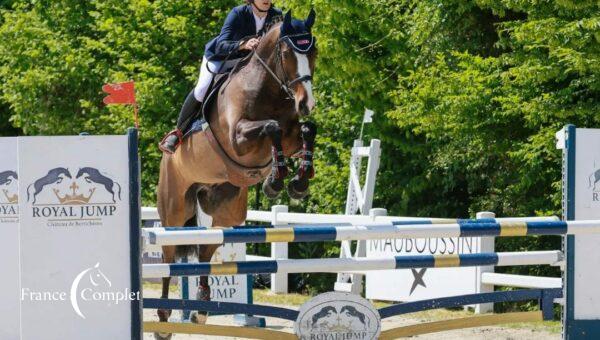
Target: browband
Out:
[301,43]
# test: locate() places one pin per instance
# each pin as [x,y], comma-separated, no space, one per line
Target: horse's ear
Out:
[286,27]
[310,21]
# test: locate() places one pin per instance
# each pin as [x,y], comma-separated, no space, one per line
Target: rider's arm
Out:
[225,42]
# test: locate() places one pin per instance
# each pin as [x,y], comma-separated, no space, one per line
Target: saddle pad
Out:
[198,125]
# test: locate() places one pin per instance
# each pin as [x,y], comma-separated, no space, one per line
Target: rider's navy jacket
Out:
[238,25]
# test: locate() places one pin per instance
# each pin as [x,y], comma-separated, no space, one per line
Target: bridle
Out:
[284,84]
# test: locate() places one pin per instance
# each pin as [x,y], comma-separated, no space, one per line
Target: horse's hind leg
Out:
[227,205]
[204,255]
[174,210]
[298,186]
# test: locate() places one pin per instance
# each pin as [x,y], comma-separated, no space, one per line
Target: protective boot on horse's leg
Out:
[189,111]
[273,185]
[298,186]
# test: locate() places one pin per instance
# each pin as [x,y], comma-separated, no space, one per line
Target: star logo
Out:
[418,275]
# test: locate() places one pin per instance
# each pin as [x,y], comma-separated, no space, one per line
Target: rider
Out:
[253,18]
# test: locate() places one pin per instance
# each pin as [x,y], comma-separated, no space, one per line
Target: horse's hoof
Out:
[198,318]
[164,314]
[294,192]
[271,190]
[163,336]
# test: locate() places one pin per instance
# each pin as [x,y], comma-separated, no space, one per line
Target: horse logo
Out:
[334,315]
[53,177]
[593,180]
[9,184]
[74,190]
[92,278]
[93,175]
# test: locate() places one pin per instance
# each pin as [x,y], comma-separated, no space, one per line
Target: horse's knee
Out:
[273,130]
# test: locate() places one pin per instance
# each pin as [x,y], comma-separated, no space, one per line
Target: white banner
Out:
[587,196]
[75,247]
[421,283]
[9,234]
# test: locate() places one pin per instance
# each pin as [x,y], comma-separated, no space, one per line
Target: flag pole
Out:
[367,118]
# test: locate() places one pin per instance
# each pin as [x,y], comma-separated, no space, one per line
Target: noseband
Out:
[291,40]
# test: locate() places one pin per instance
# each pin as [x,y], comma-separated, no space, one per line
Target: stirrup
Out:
[175,132]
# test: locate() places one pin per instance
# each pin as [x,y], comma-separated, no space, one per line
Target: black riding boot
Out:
[189,111]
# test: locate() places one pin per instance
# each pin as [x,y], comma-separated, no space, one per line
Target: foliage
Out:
[468,93]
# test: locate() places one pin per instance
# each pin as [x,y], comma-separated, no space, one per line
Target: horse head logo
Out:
[92,278]
[593,179]
[9,184]
[93,175]
[54,176]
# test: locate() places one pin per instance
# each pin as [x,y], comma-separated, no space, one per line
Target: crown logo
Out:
[11,199]
[74,198]
[340,327]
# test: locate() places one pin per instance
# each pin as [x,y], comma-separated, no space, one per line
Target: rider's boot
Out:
[188,112]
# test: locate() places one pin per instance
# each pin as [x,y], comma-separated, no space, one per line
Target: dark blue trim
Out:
[255,235]
[479,229]
[134,232]
[569,161]
[475,220]
[314,234]
[412,261]
[547,228]
[185,291]
[152,238]
[582,330]
[470,299]
[482,259]
[411,222]
[189,269]
[257,267]
[222,308]
[459,221]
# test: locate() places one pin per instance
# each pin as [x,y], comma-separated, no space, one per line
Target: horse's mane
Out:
[244,61]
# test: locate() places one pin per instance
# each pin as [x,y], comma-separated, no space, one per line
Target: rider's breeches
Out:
[205,77]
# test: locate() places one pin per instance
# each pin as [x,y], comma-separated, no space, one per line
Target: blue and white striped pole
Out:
[335,265]
[189,236]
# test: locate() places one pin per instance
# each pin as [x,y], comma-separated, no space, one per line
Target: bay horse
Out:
[253,124]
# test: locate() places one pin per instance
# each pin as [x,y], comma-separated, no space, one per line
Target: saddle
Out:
[212,93]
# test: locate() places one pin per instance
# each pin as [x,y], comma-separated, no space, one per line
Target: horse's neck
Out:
[260,89]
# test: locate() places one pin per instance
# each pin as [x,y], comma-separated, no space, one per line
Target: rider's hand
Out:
[250,44]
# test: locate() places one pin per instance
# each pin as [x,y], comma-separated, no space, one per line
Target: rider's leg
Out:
[191,107]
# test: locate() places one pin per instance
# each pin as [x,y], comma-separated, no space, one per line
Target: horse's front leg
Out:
[298,186]
[248,133]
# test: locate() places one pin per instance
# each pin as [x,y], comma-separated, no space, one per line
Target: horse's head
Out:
[298,53]
[293,53]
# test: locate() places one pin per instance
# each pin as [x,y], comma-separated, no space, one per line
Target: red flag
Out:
[121,93]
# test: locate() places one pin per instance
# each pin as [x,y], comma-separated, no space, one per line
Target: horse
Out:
[593,179]
[93,175]
[54,176]
[253,124]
